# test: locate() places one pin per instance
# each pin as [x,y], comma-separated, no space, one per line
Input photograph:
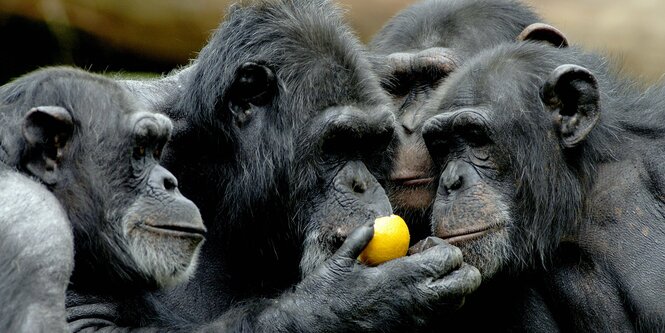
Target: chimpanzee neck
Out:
[104,273]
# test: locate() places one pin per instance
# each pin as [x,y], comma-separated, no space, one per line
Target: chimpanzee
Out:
[78,156]
[415,51]
[37,254]
[279,127]
[552,175]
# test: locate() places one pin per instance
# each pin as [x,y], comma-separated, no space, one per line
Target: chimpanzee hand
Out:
[344,295]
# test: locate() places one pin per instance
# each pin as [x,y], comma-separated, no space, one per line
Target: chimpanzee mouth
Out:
[417,181]
[175,230]
[468,234]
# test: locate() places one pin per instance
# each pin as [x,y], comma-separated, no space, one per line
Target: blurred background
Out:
[156,36]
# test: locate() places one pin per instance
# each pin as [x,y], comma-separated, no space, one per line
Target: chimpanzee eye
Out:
[157,153]
[139,152]
[439,147]
[475,136]
[254,84]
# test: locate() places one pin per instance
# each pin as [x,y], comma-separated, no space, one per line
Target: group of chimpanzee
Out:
[512,156]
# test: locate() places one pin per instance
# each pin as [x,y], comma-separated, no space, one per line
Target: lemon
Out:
[390,241]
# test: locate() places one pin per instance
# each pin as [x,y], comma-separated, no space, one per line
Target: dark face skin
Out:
[416,51]
[353,148]
[475,194]
[100,157]
[410,82]
[163,228]
[505,195]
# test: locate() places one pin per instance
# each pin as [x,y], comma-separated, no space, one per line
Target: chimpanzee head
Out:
[291,124]
[514,137]
[415,53]
[79,135]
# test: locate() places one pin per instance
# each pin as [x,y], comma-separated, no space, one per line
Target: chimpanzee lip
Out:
[175,229]
[468,234]
[413,181]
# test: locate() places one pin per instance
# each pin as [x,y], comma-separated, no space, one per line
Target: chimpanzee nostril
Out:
[456,184]
[337,240]
[359,187]
[456,175]
[452,183]
[170,183]
[161,178]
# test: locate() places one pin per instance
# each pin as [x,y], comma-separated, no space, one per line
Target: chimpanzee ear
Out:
[541,32]
[46,131]
[571,92]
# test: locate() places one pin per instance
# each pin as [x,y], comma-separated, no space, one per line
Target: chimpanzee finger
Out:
[356,242]
[457,284]
[433,263]
[425,244]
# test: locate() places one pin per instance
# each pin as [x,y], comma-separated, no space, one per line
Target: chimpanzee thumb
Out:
[356,242]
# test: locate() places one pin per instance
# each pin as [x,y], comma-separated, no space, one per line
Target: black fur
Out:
[465,27]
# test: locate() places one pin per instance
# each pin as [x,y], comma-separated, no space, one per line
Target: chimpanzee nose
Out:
[357,181]
[409,122]
[458,175]
[162,179]
[452,183]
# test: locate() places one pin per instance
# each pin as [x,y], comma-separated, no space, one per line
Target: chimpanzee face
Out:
[473,203]
[162,229]
[332,138]
[100,157]
[306,124]
[506,126]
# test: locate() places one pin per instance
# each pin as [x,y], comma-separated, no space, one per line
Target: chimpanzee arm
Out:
[36,256]
[341,295]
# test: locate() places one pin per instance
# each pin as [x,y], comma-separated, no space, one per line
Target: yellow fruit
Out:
[390,241]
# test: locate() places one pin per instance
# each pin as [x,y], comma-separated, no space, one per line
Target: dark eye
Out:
[475,136]
[436,134]
[139,152]
[254,84]
[439,146]
[157,153]
[432,76]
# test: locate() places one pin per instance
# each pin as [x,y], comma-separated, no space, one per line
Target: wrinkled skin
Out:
[550,184]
